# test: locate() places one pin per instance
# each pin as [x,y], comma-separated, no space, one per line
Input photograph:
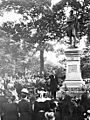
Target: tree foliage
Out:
[33,28]
[85,63]
[40,23]
[15,58]
[49,24]
[34,17]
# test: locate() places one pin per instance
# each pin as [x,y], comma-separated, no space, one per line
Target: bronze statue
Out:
[72,28]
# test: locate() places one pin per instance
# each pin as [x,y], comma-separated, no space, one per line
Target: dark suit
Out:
[24,110]
[2,100]
[10,111]
[53,85]
[40,107]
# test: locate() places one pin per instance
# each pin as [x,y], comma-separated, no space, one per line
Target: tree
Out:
[6,65]
[40,23]
[35,19]
[85,63]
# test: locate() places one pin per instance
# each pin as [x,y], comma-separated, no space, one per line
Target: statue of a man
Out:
[72,28]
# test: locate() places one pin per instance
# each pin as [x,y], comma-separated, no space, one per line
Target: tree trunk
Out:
[14,67]
[41,62]
[41,58]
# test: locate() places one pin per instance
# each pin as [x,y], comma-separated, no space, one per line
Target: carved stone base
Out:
[73,72]
[73,84]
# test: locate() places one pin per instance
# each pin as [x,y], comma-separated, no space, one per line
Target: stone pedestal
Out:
[73,72]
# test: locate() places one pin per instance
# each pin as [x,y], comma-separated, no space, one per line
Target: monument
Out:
[73,73]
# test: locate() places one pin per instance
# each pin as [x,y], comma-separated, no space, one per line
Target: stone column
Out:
[73,72]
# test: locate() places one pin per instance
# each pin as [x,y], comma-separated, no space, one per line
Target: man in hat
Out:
[24,106]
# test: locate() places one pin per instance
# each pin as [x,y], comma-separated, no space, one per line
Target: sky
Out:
[11,16]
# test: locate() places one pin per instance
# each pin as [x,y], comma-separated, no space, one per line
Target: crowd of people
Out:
[44,107]
[17,102]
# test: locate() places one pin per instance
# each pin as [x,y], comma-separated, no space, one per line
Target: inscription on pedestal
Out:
[73,58]
[72,68]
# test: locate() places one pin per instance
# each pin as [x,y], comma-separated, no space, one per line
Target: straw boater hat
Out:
[24,90]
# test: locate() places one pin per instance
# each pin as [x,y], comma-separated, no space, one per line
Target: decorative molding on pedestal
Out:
[73,72]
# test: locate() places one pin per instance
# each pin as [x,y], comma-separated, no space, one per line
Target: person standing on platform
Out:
[53,84]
